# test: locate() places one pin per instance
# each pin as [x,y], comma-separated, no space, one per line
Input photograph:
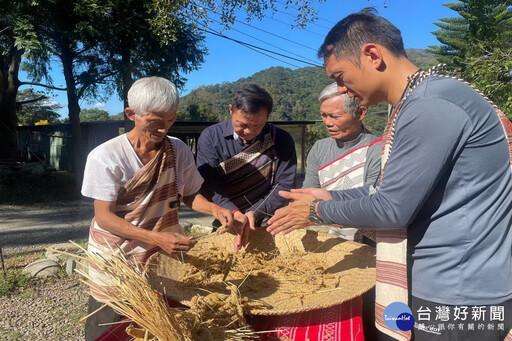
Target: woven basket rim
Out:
[358,280]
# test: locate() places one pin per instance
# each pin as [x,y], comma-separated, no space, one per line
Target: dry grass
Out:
[296,271]
[212,317]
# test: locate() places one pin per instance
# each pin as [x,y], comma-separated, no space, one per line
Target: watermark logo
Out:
[398,316]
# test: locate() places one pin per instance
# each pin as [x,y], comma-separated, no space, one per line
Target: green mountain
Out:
[421,58]
[295,94]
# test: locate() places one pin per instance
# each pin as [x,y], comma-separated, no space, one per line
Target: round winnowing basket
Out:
[352,264]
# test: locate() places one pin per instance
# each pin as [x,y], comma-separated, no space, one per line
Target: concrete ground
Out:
[36,225]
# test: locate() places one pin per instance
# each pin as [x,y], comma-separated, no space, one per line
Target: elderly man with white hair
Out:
[350,157]
[137,181]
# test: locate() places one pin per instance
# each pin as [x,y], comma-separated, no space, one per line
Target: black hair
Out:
[347,37]
[250,98]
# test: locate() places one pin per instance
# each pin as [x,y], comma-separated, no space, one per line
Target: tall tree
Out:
[478,44]
[10,59]
[159,37]
[89,36]
[70,32]
[136,50]
[16,37]
[169,12]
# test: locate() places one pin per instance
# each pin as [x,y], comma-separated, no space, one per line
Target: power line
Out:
[287,24]
[274,19]
[265,31]
[265,54]
[248,46]
[311,23]
[258,48]
[295,7]
[276,35]
[265,42]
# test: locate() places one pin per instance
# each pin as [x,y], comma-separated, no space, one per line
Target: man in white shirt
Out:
[137,181]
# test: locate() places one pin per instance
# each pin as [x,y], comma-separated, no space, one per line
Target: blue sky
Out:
[228,61]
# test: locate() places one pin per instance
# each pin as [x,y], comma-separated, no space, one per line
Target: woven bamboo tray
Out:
[352,263]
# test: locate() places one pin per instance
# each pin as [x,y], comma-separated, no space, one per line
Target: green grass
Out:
[194,231]
[9,335]
[23,187]
[12,280]
[81,242]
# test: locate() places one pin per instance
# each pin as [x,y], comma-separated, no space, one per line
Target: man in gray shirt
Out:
[445,189]
[350,157]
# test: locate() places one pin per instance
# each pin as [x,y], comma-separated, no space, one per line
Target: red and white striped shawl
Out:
[346,172]
[392,244]
[150,201]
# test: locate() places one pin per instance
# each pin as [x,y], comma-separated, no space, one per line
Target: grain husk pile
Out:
[298,272]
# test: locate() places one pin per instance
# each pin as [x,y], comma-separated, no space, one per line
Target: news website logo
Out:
[398,316]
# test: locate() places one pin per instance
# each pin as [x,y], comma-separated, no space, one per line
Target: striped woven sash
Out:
[149,201]
[250,174]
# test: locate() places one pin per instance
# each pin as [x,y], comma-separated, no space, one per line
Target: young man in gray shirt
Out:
[445,194]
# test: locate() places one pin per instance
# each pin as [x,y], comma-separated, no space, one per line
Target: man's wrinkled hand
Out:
[223,215]
[241,226]
[173,242]
[292,217]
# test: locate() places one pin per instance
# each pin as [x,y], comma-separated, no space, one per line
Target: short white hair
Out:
[152,94]
[348,104]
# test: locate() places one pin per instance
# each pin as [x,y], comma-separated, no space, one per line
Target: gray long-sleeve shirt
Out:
[328,149]
[448,180]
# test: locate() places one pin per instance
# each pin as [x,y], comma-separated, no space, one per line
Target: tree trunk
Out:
[9,84]
[77,147]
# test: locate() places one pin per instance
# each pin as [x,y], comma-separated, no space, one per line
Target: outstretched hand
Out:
[318,193]
[294,216]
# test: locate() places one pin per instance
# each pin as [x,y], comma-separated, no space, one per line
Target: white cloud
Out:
[99,105]
[50,102]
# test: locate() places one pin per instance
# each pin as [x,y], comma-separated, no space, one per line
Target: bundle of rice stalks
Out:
[223,315]
[130,295]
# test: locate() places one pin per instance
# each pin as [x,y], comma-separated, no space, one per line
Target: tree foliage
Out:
[16,37]
[136,50]
[71,32]
[167,14]
[117,117]
[35,106]
[94,114]
[294,92]
[478,46]
[103,44]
